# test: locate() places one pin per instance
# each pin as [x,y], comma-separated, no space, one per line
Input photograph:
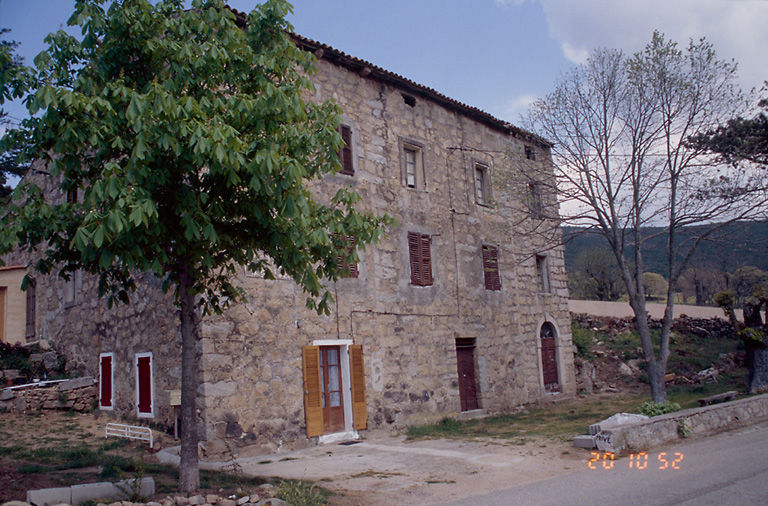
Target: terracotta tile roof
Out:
[367,69]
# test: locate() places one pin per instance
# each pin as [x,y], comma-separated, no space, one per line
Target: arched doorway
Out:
[548,336]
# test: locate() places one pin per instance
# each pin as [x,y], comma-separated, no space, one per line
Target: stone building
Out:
[461,307]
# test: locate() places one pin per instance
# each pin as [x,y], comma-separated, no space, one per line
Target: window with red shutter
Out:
[348,270]
[105,381]
[31,314]
[491,267]
[420,258]
[144,393]
[345,153]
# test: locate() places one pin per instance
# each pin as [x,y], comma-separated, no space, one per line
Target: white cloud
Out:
[516,107]
[735,27]
[504,3]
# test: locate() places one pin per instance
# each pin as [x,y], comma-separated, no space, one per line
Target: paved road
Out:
[730,468]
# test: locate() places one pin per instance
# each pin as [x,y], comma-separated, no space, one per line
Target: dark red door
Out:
[465,362]
[330,384]
[106,381]
[549,358]
[144,371]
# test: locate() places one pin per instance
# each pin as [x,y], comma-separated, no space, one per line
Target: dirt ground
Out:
[383,469]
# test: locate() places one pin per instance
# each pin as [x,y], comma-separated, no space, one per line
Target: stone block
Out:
[75,383]
[49,496]
[93,491]
[6,395]
[584,442]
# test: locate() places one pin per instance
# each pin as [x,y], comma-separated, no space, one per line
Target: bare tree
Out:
[618,124]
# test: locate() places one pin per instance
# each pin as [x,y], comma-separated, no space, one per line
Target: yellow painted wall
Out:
[14,313]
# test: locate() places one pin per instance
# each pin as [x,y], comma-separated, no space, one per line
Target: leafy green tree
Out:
[745,280]
[188,137]
[14,82]
[594,275]
[740,139]
[654,285]
[619,125]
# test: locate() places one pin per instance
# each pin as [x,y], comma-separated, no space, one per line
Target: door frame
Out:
[346,390]
[467,343]
[558,358]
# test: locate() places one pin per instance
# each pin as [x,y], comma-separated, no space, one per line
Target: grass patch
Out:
[301,493]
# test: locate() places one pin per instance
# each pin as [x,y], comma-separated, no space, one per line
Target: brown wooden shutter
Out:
[313,405]
[420,258]
[491,268]
[352,271]
[426,260]
[31,306]
[345,154]
[144,372]
[414,254]
[106,381]
[357,372]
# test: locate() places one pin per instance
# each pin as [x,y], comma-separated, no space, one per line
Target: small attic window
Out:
[530,153]
[410,100]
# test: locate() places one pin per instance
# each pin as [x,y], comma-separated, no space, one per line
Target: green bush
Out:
[651,408]
[583,339]
[300,493]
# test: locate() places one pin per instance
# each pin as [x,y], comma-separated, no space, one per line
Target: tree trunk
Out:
[656,371]
[758,369]
[189,477]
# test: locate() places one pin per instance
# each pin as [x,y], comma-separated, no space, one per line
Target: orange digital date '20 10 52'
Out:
[639,461]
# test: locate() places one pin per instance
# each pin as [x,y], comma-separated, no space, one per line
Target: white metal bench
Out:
[129,431]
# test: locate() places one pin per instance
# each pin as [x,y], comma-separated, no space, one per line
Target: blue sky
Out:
[497,55]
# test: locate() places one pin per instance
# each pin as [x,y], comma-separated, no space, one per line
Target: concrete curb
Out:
[681,424]
[77,494]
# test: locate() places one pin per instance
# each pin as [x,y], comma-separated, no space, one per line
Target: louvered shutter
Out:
[345,155]
[31,307]
[106,381]
[351,268]
[144,374]
[357,372]
[491,268]
[313,406]
[426,260]
[414,240]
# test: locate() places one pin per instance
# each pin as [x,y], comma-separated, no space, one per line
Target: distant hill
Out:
[739,244]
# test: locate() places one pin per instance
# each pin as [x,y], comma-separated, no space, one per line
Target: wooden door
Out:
[330,388]
[465,361]
[549,358]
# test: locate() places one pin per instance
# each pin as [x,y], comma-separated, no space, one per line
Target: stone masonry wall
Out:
[251,370]
[252,376]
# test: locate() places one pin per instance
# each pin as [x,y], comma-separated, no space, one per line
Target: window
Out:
[72,196]
[542,273]
[491,267]
[421,259]
[535,202]
[144,392]
[31,306]
[70,288]
[106,378]
[413,168]
[348,270]
[530,153]
[345,152]
[318,398]
[481,184]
